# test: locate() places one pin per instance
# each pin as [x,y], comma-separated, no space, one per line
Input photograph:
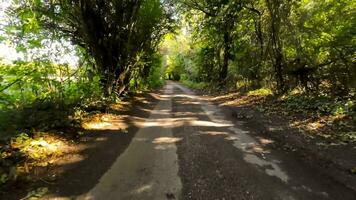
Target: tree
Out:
[115,33]
[219,21]
[285,45]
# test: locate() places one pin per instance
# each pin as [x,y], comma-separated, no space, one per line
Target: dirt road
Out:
[191,149]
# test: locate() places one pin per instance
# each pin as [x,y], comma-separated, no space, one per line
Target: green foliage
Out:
[116,35]
[260,92]
[112,58]
[282,45]
[156,75]
[195,85]
[321,104]
[42,85]
[32,81]
[176,61]
[175,67]
[206,64]
[150,74]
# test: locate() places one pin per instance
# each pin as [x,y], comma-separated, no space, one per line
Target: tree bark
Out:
[226,57]
[278,60]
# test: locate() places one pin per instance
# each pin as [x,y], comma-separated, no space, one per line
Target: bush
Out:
[194,85]
[32,89]
[155,78]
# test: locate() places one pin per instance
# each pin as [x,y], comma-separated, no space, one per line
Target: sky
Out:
[7,53]
[53,49]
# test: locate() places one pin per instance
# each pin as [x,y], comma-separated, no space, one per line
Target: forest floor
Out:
[73,158]
[173,144]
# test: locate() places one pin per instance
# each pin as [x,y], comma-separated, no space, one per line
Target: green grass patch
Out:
[260,92]
[194,85]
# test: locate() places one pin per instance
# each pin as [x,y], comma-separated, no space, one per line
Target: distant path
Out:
[190,149]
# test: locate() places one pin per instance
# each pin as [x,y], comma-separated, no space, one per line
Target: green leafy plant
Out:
[260,92]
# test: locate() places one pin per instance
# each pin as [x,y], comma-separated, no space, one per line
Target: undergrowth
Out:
[331,117]
[195,85]
[40,133]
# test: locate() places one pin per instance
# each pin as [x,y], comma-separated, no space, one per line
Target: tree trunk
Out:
[225,64]
[123,80]
[107,84]
[275,14]
[278,66]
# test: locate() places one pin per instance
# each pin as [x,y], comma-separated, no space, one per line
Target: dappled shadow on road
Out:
[209,122]
[228,154]
[192,120]
[111,134]
[302,125]
[106,137]
[313,116]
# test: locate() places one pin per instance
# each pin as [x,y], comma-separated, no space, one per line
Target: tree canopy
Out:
[120,36]
[306,46]
[279,44]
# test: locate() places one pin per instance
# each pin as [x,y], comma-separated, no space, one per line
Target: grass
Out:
[194,85]
[260,92]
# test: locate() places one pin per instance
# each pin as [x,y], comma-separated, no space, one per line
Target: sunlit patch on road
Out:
[166,140]
[142,189]
[254,151]
[270,168]
[148,168]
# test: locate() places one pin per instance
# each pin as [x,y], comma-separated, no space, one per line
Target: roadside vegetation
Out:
[292,61]
[293,58]
[59,72]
